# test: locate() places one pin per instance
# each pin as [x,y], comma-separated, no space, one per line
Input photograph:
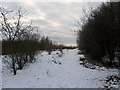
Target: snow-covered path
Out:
[52,71]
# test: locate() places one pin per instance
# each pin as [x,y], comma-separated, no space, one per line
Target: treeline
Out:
[99,38]
[69,47]
[26,46]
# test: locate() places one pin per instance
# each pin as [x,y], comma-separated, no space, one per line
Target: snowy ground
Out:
[53,71]
[0,73]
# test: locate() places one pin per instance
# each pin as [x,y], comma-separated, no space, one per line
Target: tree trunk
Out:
[13,65]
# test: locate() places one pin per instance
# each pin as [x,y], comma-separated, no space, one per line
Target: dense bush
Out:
[24,51]
[99,38]
[26,46]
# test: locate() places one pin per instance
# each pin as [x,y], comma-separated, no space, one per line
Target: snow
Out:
[0,73]
[56,71]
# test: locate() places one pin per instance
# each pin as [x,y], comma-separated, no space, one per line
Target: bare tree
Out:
[12,27]
[15,31]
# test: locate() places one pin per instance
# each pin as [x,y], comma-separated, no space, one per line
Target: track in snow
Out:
[52,71]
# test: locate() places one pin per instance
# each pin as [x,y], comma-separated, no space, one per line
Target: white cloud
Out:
[55,19]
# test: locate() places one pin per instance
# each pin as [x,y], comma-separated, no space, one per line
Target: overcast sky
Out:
[55,19]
